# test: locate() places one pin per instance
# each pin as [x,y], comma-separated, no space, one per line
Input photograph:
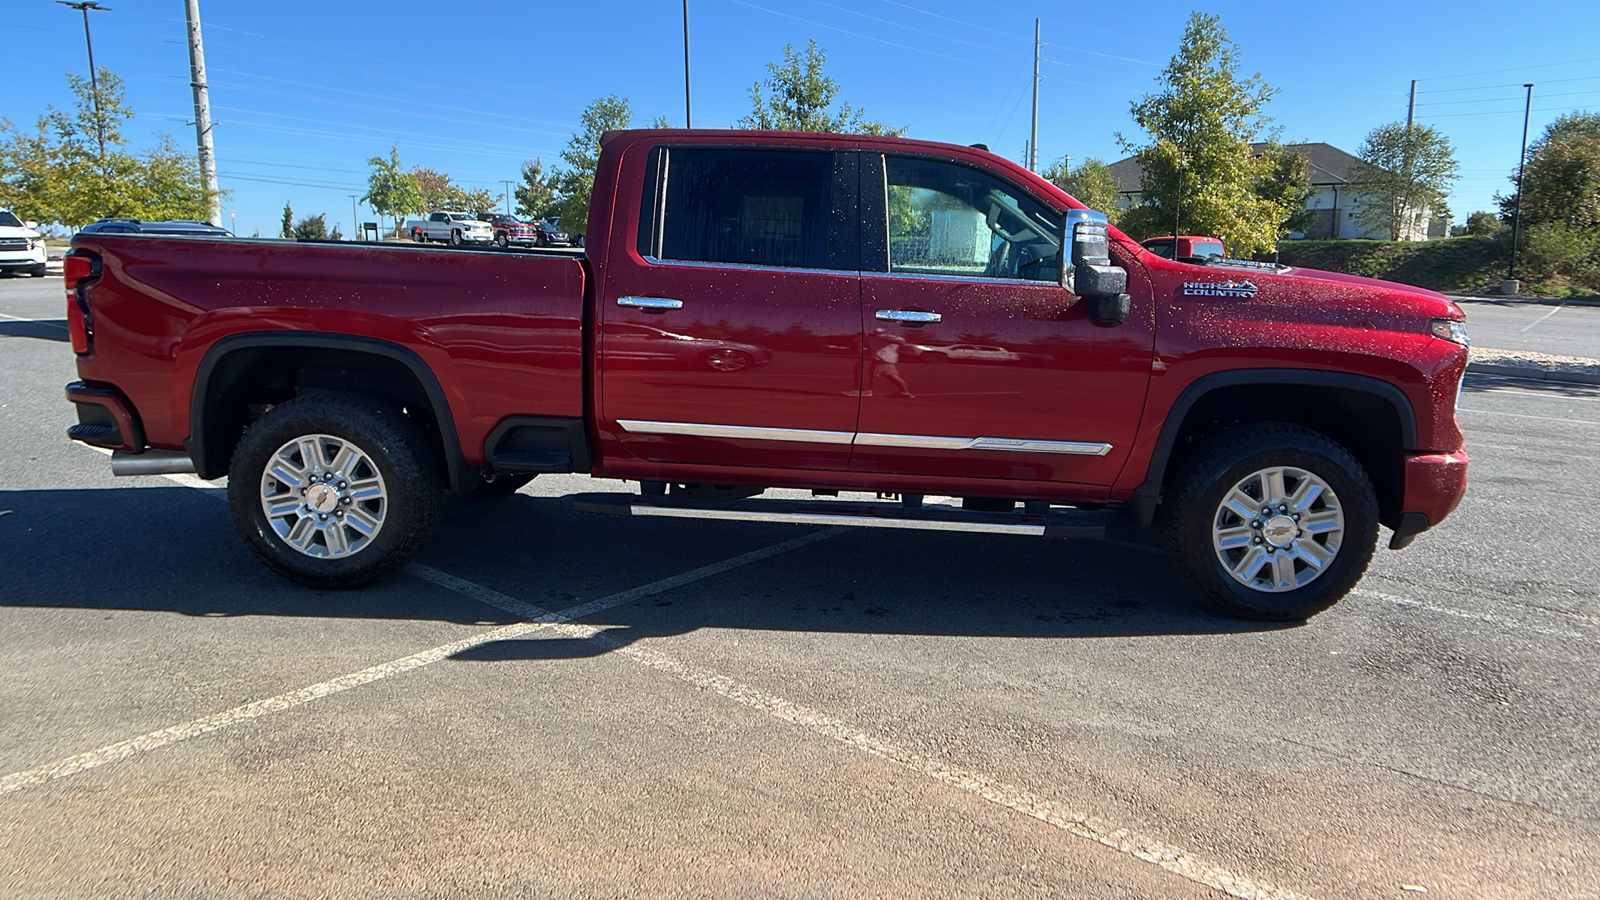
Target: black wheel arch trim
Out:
[1148,495]
[460,474]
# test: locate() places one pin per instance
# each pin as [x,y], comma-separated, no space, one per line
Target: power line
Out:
[1490,87]
[908,27]
[865,36]
[1505,99]
[1570,62]
[1143,62]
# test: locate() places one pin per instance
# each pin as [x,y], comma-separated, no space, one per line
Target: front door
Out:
[980,364]
[732,336]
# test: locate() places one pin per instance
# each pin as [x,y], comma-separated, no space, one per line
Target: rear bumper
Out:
[1435,484]
[105,418]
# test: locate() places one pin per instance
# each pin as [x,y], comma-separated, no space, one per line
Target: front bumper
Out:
[1435,484]
[22,259]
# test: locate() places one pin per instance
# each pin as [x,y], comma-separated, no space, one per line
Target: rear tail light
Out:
[79,267]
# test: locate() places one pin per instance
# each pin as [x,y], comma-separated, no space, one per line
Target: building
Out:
[1334,198]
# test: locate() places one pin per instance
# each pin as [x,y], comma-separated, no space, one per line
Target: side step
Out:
[1057,523]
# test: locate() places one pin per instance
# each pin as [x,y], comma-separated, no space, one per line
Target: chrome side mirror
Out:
[1088,271]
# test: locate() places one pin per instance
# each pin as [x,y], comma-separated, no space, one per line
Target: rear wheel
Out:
[1271,521]
[503,241]
[334,490]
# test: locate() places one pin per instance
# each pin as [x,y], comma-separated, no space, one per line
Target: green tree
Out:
[799,97]
[1484,224]
[1201,174]
[391,190]
[286,229]
[1091,184]
[61,174]
[1406,178]
[1561,180]
[535,197]
[575,183]
[311,228]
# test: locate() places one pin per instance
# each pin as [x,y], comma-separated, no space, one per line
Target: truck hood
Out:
[1349,290]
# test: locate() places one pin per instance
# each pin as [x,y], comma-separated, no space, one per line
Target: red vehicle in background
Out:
[512,231]
[1189,248]
[840,313]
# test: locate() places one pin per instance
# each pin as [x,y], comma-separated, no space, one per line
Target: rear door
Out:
[730,335]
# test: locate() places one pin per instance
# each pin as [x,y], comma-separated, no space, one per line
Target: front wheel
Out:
[455,238]
[334,490]
[1271,521]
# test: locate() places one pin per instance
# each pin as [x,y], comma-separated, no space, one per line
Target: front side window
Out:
[746,207]
[954,220]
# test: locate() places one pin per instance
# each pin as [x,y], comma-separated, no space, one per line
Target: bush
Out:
[1565,256]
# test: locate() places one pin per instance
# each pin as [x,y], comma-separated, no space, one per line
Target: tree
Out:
[61,174]
[1484,224]
[1561,180]
[1091,184]
[391,190]
[312,228]
[575,183]
[1201,174]
[1406,178]
[287,229]
[798,98]
[535,197]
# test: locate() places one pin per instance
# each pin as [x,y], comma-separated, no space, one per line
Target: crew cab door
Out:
[980,364]
[730,331]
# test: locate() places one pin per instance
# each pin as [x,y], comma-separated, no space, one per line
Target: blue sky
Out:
[304,93]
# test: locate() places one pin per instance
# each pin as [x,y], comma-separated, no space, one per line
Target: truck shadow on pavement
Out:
[174,550]
[38,329]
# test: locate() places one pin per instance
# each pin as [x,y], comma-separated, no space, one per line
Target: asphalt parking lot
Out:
[549,704]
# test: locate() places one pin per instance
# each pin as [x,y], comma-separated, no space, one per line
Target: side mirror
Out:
[1088,271]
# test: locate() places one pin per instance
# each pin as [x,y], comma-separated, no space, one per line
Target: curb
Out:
[1532,373]
[1500,300]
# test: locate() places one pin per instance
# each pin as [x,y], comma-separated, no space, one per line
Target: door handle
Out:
[650,304]
[908,317]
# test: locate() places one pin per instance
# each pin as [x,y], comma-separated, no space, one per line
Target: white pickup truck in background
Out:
[454,228]
[21,245]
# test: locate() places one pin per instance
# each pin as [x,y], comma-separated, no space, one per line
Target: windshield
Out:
[9,219]
[462,217]
[1208,250]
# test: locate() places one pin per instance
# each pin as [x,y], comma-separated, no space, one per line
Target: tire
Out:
[418,237]
[1285,565]
[501,486]
[382,500]
[38,271]
[503,241]
[455,238]
[727,359]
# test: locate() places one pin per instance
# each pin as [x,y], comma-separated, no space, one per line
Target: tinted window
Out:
[1160,248]
[9,219]
[1208,250]
[750,207]
[950,219]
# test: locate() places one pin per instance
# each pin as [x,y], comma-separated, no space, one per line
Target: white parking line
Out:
[1493,412]
[1167,856]
[1528,327]
[45,322]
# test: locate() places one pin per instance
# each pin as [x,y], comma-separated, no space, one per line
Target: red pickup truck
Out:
[758,310]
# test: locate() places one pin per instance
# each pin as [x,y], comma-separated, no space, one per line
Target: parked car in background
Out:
[192,227]
[454,228]
[551,235]
[1195,249]
[21,245]
[512,231]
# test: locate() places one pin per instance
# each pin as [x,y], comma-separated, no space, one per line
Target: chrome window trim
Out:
[745,267]
[905,441]
[970,279]
[744,432]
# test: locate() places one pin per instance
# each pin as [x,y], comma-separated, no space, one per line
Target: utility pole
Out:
[1033,139]
[686,121]
[508,196]
[1411,107]
[94,83]
[355,220]
[1516,223]
[202,110]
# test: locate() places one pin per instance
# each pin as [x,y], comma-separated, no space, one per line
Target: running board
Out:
[1057,523]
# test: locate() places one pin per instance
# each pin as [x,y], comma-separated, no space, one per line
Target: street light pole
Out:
[687,123]
[1516,223]
[355,220]
[94,83]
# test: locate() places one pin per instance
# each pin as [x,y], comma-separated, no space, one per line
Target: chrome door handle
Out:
[650,304]
[908,317]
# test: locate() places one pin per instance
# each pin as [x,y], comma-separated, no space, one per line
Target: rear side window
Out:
[744,207]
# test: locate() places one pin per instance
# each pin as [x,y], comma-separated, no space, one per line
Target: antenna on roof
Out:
[979,146]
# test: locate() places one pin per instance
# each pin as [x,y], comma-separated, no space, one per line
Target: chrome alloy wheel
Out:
[1278,529]
[324,496]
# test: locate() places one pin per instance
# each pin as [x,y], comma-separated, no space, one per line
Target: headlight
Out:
[1452,330]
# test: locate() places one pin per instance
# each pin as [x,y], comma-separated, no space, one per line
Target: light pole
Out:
[687,123]
[508,196]
[94,83]
[355,220]
[1510,286]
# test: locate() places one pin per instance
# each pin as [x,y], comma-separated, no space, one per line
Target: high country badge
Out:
[1242,289]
